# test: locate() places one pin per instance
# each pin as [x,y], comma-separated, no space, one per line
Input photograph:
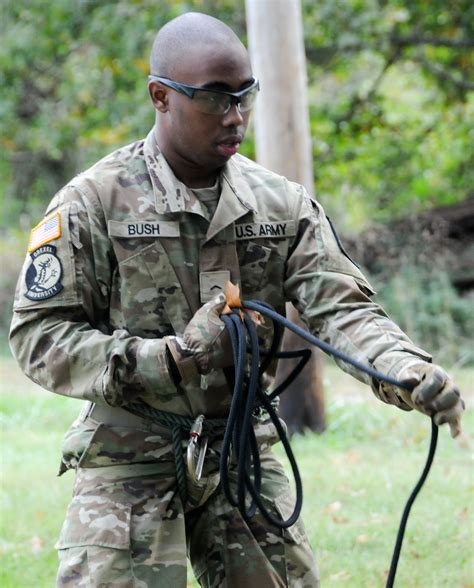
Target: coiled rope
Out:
[239,436]
[239,439]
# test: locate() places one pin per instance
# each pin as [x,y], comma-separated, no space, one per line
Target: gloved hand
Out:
[205,344]
[434,394]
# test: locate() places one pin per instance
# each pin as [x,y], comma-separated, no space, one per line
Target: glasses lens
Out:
[247,99]
[219,103]
[211,102]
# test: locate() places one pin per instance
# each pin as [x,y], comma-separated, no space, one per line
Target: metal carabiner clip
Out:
[197,448]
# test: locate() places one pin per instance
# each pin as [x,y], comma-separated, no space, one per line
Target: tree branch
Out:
[325,52]
[358,100]
[444,75]
[415,40]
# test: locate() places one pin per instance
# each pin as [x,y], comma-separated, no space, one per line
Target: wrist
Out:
[389,394]
[182,364]
[406,368]
[172,367]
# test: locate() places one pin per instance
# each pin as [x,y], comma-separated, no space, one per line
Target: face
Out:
[197,144]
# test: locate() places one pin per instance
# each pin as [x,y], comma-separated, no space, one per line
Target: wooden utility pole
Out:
[283,144]
[281,121]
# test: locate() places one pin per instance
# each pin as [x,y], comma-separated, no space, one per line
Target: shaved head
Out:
[187,33]
[198,51]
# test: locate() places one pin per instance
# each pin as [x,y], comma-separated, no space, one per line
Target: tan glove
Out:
[205,344]
[434,394]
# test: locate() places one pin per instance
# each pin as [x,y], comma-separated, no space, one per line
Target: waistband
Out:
[119,417]
[115,416]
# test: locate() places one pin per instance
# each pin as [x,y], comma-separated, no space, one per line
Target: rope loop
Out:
[239,440]
[239,436]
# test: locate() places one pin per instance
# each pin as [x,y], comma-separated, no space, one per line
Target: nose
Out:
[234,116]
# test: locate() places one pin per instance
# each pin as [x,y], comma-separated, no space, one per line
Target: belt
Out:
[172,426]
[118,417]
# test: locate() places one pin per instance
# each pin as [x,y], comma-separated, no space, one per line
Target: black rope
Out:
[179,463]
[410,501]
[211,427]
[270,313]
[239,436]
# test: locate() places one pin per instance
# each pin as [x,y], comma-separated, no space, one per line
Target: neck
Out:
[196,181]
[186,171]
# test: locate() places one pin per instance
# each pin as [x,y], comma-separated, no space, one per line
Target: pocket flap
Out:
[95,520]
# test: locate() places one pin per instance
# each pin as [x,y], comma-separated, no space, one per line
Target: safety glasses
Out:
[214,101]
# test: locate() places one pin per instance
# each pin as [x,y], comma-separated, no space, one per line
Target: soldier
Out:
[116,303]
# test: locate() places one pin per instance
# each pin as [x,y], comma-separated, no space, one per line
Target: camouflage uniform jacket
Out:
[127,254]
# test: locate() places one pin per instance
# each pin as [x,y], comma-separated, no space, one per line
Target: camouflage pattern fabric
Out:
[125,257]
[126,525]
[134,243]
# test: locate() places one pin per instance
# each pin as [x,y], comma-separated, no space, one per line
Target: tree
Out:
[283,144]
[391,96]
[74,87]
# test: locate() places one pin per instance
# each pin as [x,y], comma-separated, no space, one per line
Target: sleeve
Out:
[334,299]
[60,332]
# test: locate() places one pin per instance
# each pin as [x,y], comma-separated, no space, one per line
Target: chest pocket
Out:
[151,297]
[262,269]
[253,258]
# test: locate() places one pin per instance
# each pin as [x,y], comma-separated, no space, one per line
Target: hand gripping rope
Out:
[239,436]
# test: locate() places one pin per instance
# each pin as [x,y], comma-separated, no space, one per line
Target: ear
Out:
[159,96]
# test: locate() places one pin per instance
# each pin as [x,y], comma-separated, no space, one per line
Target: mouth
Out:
[229,146]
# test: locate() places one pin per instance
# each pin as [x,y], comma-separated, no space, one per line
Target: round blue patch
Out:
[43,277]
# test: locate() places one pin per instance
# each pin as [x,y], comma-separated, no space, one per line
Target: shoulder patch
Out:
[47,230]
[43,276]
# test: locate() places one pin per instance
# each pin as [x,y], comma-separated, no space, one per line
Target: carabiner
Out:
[197,448]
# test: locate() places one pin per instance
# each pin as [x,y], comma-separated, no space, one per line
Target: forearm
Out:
[74,359]
[334,299]
[357,326]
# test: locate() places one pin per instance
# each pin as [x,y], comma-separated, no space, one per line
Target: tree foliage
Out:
[74,77]
[391,105]
[390,96]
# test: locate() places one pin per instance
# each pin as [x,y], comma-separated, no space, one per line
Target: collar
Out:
[236,199]
[171,195]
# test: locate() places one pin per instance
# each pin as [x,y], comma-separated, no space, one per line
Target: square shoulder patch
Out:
[47,230]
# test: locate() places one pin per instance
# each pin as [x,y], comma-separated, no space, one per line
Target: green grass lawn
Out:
[356,479]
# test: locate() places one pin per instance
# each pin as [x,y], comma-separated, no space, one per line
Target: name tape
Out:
[133,230]
[257,230]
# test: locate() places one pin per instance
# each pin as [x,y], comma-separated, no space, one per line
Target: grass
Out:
[356,479]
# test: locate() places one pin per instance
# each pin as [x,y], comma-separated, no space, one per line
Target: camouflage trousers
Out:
[127,527]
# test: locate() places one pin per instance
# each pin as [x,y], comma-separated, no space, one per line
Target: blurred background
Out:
[391,108]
